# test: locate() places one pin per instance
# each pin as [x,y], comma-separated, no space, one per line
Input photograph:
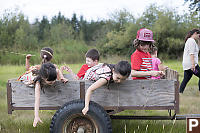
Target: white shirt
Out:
[191,47]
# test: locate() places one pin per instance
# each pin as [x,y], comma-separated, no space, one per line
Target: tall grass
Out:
[69,51]
[21,121]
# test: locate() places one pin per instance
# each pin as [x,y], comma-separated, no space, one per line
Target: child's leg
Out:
[187,76]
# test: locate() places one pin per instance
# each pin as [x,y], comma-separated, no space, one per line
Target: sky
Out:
[90,9]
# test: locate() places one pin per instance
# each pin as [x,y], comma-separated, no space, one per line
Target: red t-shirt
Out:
[141,61]
[82,71]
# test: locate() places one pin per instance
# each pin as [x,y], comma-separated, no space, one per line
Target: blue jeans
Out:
[188,75]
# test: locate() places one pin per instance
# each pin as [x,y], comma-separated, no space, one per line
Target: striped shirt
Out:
[141,61]
[99,71]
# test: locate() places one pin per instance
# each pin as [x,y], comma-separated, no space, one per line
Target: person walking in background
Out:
[190,58]
[156,62]
[141,62]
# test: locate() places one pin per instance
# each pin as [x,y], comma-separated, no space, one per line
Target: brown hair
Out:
[190,33]
[123,68]
[137,43]
[47,71]
[46,54]
[93,54]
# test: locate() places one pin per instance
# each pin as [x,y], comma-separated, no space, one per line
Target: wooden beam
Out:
[32,108]
[82,90]
[9,97]
[176,97]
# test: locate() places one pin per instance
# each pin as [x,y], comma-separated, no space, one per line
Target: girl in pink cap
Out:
[141,61]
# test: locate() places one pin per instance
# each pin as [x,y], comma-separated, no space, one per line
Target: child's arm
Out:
[28,56]
[37,104]
[135,73]
[60,76]
[162,67]
[68,69]
[89,91]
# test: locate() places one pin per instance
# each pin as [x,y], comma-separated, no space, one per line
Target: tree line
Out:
[72,37]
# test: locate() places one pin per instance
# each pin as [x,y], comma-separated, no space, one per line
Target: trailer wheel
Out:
[69,119]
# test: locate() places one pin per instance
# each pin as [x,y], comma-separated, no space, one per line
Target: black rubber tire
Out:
[96,118]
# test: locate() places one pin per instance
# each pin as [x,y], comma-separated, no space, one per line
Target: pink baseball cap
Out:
[145,35]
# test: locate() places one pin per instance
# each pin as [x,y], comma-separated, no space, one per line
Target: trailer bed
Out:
[160,94]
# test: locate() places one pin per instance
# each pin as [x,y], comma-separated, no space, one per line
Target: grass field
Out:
[21,121]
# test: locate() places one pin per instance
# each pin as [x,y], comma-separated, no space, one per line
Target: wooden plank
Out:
[136,93]
[32,108]
[171,74]
[55,95]
[82,90]
[9,97]
[139,108]
[105,96]
[167,73]
[176,97]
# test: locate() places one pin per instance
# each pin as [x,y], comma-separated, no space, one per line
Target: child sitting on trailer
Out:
[103,74]
[46,55]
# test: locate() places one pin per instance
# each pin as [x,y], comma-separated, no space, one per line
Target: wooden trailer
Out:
[66,98]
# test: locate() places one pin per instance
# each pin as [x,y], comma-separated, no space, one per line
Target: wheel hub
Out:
[80,125]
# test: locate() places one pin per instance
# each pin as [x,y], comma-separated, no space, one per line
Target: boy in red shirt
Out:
[92,59]
[141,61]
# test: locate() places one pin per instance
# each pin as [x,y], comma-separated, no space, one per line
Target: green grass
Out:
[21,121]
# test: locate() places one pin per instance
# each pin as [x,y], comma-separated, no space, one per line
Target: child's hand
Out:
[162,73]
[193,67]
[68,69]
[157,73]
[85,110]
[28,56]
[36,120]
[64,80]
